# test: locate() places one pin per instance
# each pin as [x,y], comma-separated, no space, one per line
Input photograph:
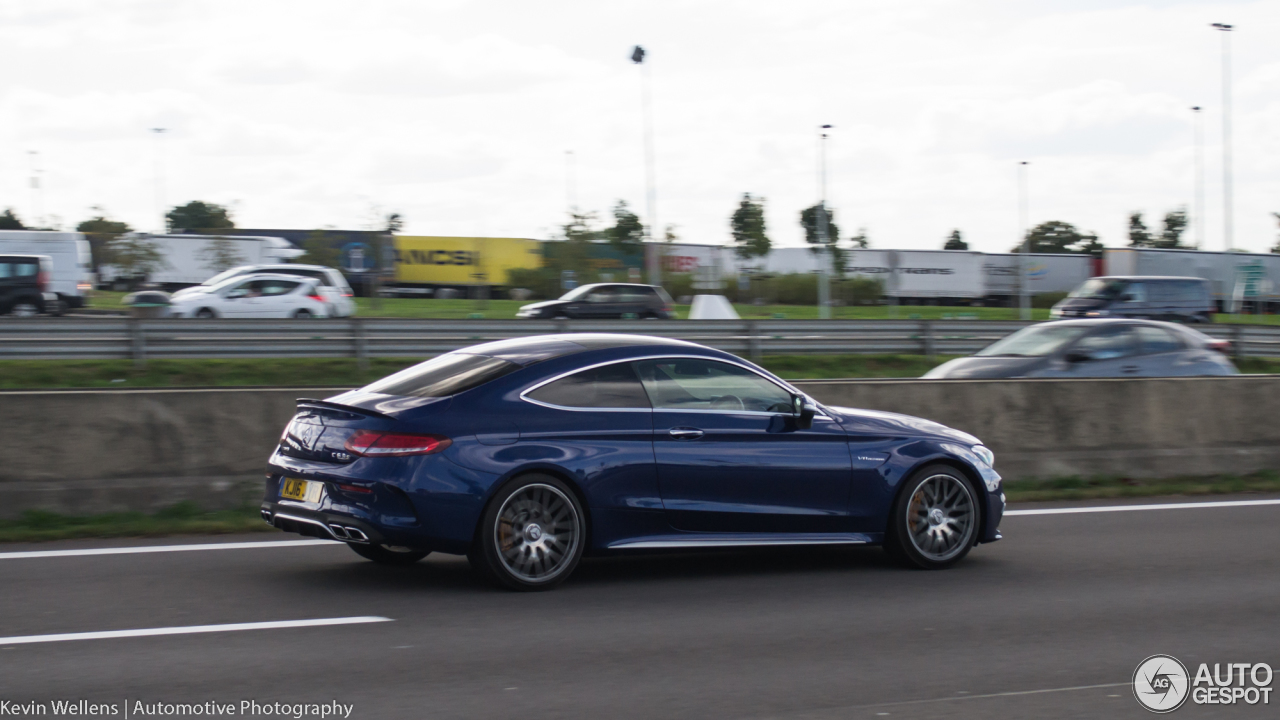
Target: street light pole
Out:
[824,287]
[1024,262]
[1199,219]
[1226,134]
[655,233]
[571,181]
[36,210]
[157,133]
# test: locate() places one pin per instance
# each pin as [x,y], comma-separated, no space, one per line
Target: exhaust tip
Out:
[266,517]
[339,532]
[356,534]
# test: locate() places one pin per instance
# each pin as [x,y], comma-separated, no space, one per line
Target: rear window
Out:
[442,376]
[26,269]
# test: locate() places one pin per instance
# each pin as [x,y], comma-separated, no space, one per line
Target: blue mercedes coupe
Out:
[525,454]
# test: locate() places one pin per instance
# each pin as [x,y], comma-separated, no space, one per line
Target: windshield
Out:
[1099,288]
[1035,341]
[577,292]
[224,276]
[442,376]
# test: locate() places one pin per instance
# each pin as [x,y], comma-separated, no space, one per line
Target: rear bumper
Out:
[317,524]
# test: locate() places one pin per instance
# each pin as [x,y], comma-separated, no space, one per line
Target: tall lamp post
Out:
[655,267]
[1024,262]
[158,168]
[1199,219]
[1226,134]
[824,288]
[37,209]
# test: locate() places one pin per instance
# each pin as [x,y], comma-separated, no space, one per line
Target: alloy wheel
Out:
[536,533]
[24,310]
[940,517]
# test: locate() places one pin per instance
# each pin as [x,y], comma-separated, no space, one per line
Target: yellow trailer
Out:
[424,260]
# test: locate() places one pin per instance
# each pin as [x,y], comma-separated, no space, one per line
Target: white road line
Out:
[162,548]
[1132,508]
[990,695]
[189,630]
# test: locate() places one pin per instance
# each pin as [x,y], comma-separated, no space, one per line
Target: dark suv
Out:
[24,284]
[1177,299]
[605,301]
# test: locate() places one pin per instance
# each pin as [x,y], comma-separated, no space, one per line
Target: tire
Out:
[385,555]
[935,519]
[25,309]
[205,314]
[303,315]
[560,316]
[531,535]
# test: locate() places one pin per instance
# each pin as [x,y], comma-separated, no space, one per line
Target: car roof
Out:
[1148,277]
[529,350]
[11,256]
[269,276]
[622,284]
[290,266]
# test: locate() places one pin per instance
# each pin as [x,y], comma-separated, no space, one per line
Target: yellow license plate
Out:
[295,489]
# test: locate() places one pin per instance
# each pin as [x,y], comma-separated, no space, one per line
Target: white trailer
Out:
[1227,273]
[72,274]
[1046,273]
[188,259]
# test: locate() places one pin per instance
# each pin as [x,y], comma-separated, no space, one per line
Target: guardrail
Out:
[363,338]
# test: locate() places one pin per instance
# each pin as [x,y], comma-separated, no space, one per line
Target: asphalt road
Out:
[1063,602]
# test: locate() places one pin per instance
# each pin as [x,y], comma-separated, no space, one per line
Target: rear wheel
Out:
[934,522]
[205,313]
[388,554]
[303,314]
[531,536]
[25,309]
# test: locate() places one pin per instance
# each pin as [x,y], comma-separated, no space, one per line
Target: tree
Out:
[1175,223]
[134,255]
[320,250]
[955,242]
[861,241]
[1138,235]
[747,227]
[627,233]
[10,221]
[394,223]
[220,253]
[809,219]
[198,215]
[100,231]
[1056,236]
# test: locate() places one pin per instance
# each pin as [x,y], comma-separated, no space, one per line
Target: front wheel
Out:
[934,522]
[388,554]
[303,315]
[205,314]
[531,536]
[25,310]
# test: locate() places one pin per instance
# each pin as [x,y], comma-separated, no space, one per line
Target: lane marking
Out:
[190,629]
[1131,508]
[989,695]
[163,548]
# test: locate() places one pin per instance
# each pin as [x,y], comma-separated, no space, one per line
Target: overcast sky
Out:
[459,114]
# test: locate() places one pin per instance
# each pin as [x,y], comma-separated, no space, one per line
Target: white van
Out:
[72,276]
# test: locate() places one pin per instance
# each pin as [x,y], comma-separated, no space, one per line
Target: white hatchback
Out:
[333,286]
[254,296]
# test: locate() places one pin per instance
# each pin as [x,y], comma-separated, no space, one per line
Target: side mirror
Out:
[804,411]
[1077,357]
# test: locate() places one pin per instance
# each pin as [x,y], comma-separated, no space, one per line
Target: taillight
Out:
[375,444]
[347,294]
[1222,346]
[42,280]
[316,297]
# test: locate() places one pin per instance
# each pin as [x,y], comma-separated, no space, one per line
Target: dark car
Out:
[1177,299]
[1095,348]
[602,301]
[525,454]
[24,285]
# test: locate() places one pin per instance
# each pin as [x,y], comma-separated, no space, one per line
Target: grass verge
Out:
[187,519]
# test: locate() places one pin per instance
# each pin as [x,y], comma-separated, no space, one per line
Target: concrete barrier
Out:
[95,451]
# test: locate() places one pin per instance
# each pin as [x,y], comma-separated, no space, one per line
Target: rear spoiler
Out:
[312,402]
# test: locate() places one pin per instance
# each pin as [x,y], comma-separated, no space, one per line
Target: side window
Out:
[696,384]
[278,287]
[1158,340]
[1136,292]
[603,295]
[25,269]
[248,289]
[609,386]
[5,270]
[1107,344]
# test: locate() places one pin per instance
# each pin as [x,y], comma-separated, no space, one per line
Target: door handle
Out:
[685,433]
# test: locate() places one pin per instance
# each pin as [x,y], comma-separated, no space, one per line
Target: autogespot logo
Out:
[1160,683]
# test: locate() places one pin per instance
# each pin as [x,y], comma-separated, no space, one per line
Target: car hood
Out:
[190,291]
[876,422]
[543,304]
[985,367]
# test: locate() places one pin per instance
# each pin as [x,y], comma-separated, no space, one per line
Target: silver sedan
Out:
[1096,348]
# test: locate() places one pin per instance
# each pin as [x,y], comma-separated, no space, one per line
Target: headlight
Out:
[985,455]
[1055,313]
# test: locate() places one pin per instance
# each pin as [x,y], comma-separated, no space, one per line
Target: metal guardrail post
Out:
[361,343]
[562,326]
[138,342]
[926,334]
[753,341]
[1237,342]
